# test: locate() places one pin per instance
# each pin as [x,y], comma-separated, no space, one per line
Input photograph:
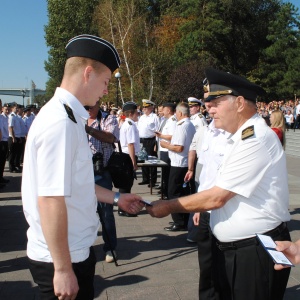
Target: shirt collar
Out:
[67,98]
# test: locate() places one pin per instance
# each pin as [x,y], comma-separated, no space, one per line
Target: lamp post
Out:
[118,76]
[23,95]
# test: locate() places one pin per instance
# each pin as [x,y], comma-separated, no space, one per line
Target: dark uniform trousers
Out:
[297,122]
[244,270]
[204,238]
[14,150]
[164,156]
[175,190]
[43,273]
[3,155]
[149,145]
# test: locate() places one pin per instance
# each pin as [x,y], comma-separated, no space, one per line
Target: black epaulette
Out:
[180,123]
[70,113]
[248,132]
[200,116]
[129,122]
[173,119]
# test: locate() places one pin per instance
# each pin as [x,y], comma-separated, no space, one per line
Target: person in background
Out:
[165,133]
[130,142]
[178,149]
[278,125]
[289,120]
[3,141]
[148,124]
[59,194]
[103,132]
[14,140]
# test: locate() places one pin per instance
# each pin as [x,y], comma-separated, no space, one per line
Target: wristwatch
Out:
[116,198]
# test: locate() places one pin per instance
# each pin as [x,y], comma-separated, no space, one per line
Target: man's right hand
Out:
[65,285]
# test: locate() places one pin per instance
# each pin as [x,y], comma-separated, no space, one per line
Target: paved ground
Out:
[153,264]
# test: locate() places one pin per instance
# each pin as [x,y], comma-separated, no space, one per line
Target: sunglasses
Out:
[86,107]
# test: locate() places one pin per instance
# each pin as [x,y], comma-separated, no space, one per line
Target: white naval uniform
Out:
[182,136]
[168,129]
[198,120]
[58,162]
[14,122]
[147,125]
[254,169]
[129,134]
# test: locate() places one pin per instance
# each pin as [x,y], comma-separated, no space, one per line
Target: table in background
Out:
[153,162]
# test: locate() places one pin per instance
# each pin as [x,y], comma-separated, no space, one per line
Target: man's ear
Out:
[240,102]
[87,73]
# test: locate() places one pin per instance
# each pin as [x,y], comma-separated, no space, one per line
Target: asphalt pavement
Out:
[153,264]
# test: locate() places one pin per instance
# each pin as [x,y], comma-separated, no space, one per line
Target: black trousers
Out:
[206,282]
[149,145]
[43,274]
[14,153]
[248,272]
[164,156]
[175,190]
[3,155]
[297,122]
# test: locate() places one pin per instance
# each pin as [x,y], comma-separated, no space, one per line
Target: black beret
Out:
[93,47]
[26,109]
[129,106]
[222,84]
[169,104]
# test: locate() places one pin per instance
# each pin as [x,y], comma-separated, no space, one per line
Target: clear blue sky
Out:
[22,44]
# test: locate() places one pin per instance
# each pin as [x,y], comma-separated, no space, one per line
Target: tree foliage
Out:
[67,18]
[166,45]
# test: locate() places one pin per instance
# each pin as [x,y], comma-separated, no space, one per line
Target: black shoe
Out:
[122,213]
[143,183]
[176,227]
[157,187]
[153,185]
[3,180]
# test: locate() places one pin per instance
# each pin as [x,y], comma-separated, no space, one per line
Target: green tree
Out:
[278,68]
[67,18]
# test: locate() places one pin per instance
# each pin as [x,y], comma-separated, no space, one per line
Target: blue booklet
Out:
[270,246]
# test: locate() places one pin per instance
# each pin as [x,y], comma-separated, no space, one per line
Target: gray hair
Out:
[183,108]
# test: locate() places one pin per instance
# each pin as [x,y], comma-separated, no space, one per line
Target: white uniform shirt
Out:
[4,127]
[147,125]
[22,126]
[182,136]
[27,121]
[254,169]
[129,134]
[14,122]
[58,162]
[298,109]
[168,129]
[198,120]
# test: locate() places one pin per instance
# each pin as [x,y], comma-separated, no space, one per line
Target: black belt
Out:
[250,241]
[147,138]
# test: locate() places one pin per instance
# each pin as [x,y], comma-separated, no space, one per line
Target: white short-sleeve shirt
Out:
[183,135]
[254,169]
[168,129]
[129,134]
[58,162]
[147,125]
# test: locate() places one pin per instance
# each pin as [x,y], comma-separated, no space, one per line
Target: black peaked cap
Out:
[93,47]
